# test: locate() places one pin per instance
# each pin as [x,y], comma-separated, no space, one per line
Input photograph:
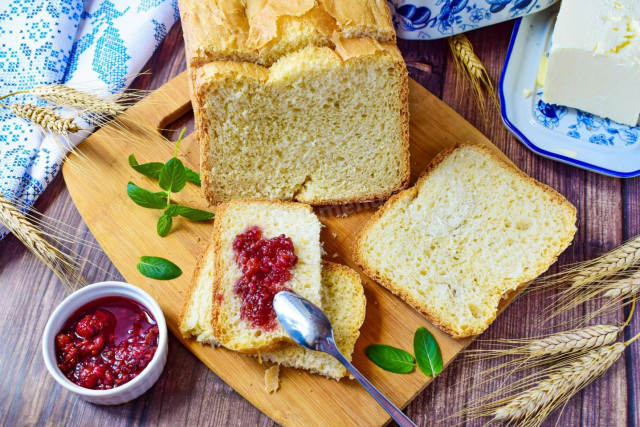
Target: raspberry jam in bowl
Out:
[106,342]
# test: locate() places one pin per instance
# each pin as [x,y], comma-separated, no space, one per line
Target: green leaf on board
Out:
[427,352]
[148,169]
[390,359]
[172,176]
[164,225]
[192,175]
[146,198]
[194,214]
[172,210]
[158,268]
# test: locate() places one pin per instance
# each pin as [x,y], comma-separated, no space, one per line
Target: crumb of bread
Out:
[272,379]
[335,255]
[335,235]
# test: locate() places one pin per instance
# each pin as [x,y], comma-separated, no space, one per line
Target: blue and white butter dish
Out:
[434,19]
[560,133]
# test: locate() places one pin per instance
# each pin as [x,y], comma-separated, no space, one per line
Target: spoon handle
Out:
[392,409]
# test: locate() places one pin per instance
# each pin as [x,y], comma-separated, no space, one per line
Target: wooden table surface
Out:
[189,394]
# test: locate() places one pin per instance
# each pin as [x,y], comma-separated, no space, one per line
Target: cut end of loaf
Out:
[320,126]
[473,229]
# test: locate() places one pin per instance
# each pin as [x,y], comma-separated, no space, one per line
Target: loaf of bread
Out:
[288,220]
[297,100]
[342,298]
[473,229]
[344,304]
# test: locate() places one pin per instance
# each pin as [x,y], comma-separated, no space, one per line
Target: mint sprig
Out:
[152,170]
[172,177]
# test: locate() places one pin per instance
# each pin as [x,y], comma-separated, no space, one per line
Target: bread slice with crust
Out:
[294,220]
[473,229]
[342,297]
[196,316]
[344,304]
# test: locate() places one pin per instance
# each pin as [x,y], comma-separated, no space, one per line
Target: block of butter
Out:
[594,61]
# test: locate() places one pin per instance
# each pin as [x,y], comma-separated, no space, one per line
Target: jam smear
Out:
[266,268]
[106,343]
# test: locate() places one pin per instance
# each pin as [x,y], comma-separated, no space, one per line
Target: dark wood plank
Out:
[189,394]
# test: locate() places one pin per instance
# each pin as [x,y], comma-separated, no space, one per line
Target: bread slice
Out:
[196,316]
[261,31]
[342,297]
[344,304]
[294,220]
[471,230]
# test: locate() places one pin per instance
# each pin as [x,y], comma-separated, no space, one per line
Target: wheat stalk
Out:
[629,286]
[45,117]
[619,259]
[532,406]
[69,97]
[467,61]
[574,341]
[60,263]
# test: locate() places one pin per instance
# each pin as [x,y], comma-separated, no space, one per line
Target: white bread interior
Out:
[473,229]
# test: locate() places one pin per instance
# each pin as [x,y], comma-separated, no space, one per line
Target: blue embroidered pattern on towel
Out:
[100,43]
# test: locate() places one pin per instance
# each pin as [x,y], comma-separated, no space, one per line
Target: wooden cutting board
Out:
[97,177]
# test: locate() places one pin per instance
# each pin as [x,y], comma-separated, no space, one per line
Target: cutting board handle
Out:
[165,105]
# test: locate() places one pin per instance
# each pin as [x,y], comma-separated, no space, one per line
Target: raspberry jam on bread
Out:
[107,343]
[266,268]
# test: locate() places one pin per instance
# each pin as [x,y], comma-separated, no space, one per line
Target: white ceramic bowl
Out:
[433,19]
[137,386]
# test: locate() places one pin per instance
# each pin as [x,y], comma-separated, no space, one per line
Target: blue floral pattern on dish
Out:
[431,19]
[582,125]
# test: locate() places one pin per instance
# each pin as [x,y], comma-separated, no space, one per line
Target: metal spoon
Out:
[307,325]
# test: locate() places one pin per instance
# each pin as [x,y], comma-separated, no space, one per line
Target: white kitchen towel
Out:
[97,43]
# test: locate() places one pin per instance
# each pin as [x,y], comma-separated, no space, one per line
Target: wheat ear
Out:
[532,406]
[468,62]
[576,340]
[626,287]
[69,97]
[60,263]
[619,259]
[45,117]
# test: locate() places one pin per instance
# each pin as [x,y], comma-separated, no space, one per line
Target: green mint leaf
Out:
[192,175]
[148,169]
[146,198]
[173,210]
[390,359]
[194,214]
[172,176]
[427,352]
[158,268]
[164,225]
